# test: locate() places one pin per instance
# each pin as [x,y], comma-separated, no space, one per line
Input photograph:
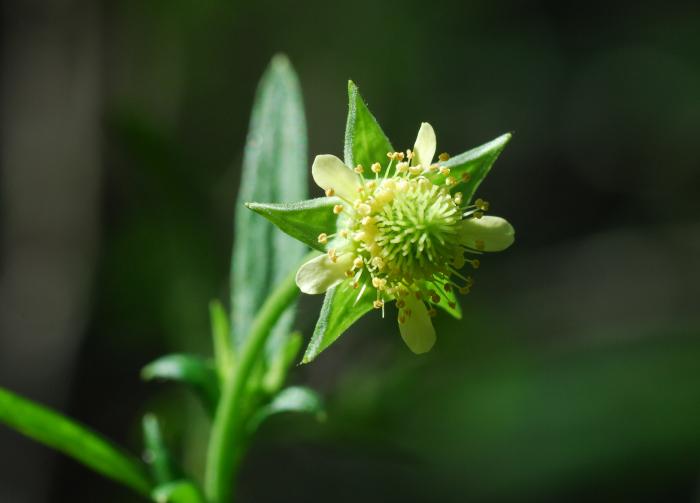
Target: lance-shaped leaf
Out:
[87,447]
[192,370]
[276,372]
[274,169]
[157,455]
[341,308]
[365,142]
[471,167]
[304,220]
[179,491]
[292,399]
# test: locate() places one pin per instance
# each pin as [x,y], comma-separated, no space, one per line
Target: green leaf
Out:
[188,369]
[303,220]
[474,164]
[292,399]
[87,447]
[157,454]
[221,336]
[279,366]
[340,310]
[274,169]
[365,142]
[180,491]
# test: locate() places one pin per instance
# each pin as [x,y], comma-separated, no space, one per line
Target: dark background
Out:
[575,375]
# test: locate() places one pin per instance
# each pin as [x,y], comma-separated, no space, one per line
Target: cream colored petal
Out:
[417,329]
[329,172]
[487,233]
[320,273]
[424,149]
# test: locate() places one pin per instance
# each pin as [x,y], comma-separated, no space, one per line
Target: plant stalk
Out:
[226,447]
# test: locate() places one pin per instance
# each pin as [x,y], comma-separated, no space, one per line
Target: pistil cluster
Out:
[401,234]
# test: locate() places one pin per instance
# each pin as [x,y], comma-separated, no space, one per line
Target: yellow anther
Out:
[409,154]
[332,255]
[356,285]
[458,198]
[415,170]
[360,189]
[371,185]
[402,167]
[399,155]
[444,156]
[444,171]
[481,204]
[338,209]
[475,263]
[364,209]
[359,169]
[330,192]
[433,168]
[367,220]
[478,214]
[479,244]
[376,168]
[358,262]
[344,233]
[379,283]
[378,262]
[323,238]
[349,273]
[391,155]
[450,180]
[378,304]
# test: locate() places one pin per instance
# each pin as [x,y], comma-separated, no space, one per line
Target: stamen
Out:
[359,169]
[330,192]
[338,209]
[444,157]
[323,238]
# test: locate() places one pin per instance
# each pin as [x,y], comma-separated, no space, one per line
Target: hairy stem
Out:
[226,445]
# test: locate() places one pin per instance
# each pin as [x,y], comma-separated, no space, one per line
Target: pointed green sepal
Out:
[365,142]
[304,220]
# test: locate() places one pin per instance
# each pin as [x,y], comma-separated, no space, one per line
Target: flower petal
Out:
[487,233]
[320,273]
[417,329]
[424,149]
[329,172]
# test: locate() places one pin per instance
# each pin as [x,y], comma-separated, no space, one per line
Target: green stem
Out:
[225,448]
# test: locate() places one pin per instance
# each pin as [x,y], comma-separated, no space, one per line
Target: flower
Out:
[402,236]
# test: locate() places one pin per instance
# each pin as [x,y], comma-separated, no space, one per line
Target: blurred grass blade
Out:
[180,491]
[59,432]
[188,369]
[157,454]
[292,399]
[274,169]
[221,337]
[365,142]
[338,313]
[474,165]
[303,220]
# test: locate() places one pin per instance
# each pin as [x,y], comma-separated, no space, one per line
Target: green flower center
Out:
[417,231]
